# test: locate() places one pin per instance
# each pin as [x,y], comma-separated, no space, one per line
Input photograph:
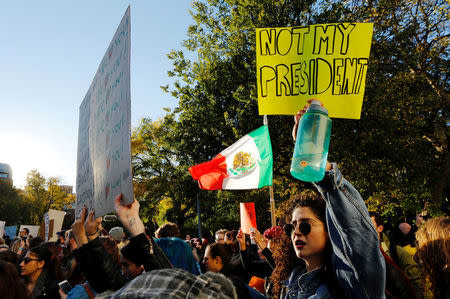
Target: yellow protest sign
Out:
[327,62]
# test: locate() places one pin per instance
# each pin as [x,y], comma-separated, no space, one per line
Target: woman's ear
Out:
[41,264]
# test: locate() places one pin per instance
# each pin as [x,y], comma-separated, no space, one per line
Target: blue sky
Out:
[49,54]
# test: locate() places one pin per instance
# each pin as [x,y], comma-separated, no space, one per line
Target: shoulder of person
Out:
[77,291]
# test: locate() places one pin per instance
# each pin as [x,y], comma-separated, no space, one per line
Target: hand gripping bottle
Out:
[311,146]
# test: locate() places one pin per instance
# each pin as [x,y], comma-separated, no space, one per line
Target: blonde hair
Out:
[433,252]
[15,246]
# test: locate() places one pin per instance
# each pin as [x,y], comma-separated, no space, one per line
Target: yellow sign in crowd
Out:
[328,62]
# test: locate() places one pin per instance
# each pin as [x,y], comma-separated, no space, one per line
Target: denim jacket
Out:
[356,259]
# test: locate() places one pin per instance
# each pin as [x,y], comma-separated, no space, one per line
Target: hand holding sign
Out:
[259,239]
[248,216]
[241,240]
[92,225]
[129,216]
[78,229]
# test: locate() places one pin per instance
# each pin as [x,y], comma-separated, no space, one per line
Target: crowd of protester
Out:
[326,246]
[317,253]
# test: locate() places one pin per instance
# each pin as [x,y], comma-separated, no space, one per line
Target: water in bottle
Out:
[311,146]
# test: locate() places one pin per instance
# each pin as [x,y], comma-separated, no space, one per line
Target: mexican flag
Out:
[247,164]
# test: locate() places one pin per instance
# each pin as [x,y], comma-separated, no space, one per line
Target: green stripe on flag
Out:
[262,140]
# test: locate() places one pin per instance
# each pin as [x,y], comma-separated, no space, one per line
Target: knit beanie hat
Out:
[116,233]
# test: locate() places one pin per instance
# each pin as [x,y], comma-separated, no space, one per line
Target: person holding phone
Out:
[64,287]
[39,269]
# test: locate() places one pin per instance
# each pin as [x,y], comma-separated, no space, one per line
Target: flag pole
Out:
[199,216]
[272,200]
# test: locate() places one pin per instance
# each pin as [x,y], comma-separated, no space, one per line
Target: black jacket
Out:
[45,287]
[101,272]
[256,267]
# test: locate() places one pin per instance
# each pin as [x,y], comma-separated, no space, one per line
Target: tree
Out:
[43,194]
[405,111]
[396,155]
[159,177]
[14,209]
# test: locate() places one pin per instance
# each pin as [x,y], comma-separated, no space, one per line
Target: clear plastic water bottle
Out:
[311,146]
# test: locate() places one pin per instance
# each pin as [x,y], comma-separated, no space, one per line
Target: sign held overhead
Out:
[104,148]
[328,62]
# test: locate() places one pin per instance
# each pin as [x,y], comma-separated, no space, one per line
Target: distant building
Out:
[6,173]
[66,189]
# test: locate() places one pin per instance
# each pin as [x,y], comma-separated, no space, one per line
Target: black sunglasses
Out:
[304,228]
[28,259]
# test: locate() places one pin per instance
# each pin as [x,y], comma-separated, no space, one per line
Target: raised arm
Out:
[149,253]
[357,259]
[94,262]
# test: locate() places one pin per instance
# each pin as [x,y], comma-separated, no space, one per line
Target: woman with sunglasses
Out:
[334,237]
[39,271]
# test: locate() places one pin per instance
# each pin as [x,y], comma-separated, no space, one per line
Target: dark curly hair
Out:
[288,260]
[285,260]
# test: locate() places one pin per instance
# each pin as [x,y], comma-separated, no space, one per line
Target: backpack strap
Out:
[88,290]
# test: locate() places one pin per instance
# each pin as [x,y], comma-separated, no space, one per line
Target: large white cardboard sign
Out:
[104,149]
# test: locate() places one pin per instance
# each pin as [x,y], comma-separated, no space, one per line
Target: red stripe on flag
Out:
[210,174]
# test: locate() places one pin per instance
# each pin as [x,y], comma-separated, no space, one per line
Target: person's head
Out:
[272,234]
[111,248]
[36,260]
[24,232]
[15,246]
[378,222]
[196,243]
[217,258]
[36,241]
[405,228]
[11,286]
[117,233]
[433,252]
[421,218]
[130,264]
[3,246]
[168,230]
[220,236]
[9,256]
[72,244]
[61,236]
[308,229]
[188,237]
[8,240]
[230,237]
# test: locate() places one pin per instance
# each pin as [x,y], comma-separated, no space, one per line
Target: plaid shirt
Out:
[176,283]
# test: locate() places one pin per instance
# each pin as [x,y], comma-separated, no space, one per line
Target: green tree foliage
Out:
[396,154]
[14,209]
[43,194]
[159,176]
